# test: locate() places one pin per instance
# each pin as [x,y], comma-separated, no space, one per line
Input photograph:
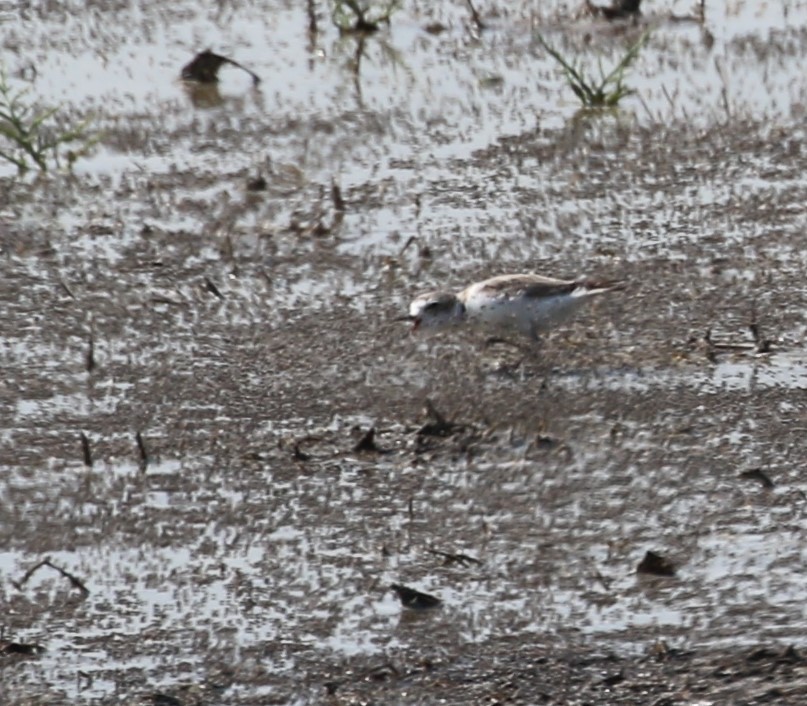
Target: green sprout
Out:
[611,87]
[26,136]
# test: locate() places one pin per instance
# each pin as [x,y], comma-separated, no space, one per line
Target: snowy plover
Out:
[527,303]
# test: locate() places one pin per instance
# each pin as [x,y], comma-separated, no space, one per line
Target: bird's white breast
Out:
[529,315]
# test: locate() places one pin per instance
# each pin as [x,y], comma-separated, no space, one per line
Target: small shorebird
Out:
[527,303]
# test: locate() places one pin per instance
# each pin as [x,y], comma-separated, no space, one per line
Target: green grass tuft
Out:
[610,88]
[27,136]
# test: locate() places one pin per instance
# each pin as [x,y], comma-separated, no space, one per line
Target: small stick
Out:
[91,354]
[67,289]
[213,289]
[141,447]
[367,442]
[19,584]
[75,582]
[85,448]
[336,196]
[228,250]
[411,239]
[312,17]
[475,16]
[762,344]
[454,558]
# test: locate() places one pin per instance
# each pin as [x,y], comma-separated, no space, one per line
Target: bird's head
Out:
[434,311]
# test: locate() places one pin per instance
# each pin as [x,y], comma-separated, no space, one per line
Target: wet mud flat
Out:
[226,451]
[504,672]
[246,555]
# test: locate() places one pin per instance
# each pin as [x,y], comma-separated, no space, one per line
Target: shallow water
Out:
[249,338]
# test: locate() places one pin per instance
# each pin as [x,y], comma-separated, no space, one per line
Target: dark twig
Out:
[228,251]
[213,289]
[709,346]
[367,443]
[67,289]
[141,448]
[85,448]
[439,425]
[762,344]
[75,582]
[450,558]
[162,299]
[91,354]
[477,20]
[336,197]
[410,240]
[311,10]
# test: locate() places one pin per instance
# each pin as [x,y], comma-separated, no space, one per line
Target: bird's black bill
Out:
[414,320]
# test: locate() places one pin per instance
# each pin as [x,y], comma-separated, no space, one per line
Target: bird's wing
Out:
[532,286]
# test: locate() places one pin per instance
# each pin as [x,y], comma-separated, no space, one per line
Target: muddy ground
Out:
[192,365]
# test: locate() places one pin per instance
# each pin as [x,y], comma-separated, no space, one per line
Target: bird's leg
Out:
[525,351]
[531,350]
